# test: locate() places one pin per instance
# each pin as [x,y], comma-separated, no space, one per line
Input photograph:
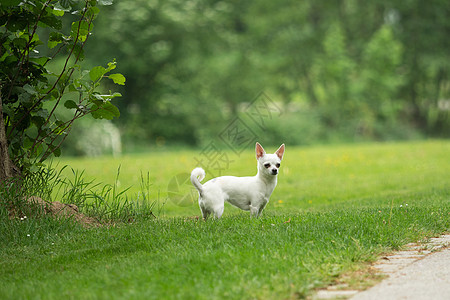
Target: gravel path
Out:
[420,272]
[427,278]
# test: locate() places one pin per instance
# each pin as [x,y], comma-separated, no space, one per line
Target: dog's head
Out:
[269,163]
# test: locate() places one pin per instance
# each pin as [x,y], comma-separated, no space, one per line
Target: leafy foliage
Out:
[31,93]
[346,69]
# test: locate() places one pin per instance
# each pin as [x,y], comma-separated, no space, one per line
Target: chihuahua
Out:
[248,193]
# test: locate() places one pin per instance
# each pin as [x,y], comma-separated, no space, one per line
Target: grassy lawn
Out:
[334,210]
[310,178]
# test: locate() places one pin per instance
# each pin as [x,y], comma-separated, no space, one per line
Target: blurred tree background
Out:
[340,71]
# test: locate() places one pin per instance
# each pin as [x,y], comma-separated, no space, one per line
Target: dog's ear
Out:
[280,152]
[259,151]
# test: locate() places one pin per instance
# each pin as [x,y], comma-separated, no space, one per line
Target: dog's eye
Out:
[278,165]
[266,165]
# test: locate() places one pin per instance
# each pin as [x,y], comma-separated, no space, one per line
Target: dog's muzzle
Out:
[274,171]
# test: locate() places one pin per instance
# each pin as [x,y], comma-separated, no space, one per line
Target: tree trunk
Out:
[7,168]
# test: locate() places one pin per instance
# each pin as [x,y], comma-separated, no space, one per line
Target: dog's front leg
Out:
[261,208]
[254,211]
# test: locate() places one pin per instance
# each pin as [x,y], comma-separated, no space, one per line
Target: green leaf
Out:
[43,113]
[38,121]
[96,73]
[70,104]
[20,42]
[28,142]
[102,98]
[60,126]
[40,60]
[29,89]
[93,11]
[56,151]
[39,149]
[51,21]
[54,95]
[117,78]
[78,51]
[111,66]
[81,29]
[74,88]
[7,3]
[67,4]
[105,111]
[58,12]
[25,99]
[54,39]
[99,99]
[20,21]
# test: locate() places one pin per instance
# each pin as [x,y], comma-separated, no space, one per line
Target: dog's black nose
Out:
[274,171]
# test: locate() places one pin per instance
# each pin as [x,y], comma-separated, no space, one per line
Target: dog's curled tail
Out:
[197,175]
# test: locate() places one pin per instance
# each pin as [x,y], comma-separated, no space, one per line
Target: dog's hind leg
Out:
[205,212]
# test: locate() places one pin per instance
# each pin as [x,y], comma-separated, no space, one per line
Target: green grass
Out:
[310,178]
[335,209]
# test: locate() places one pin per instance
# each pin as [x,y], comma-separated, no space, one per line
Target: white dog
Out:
[247,193]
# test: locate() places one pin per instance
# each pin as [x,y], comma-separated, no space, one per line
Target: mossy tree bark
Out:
[7,168]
